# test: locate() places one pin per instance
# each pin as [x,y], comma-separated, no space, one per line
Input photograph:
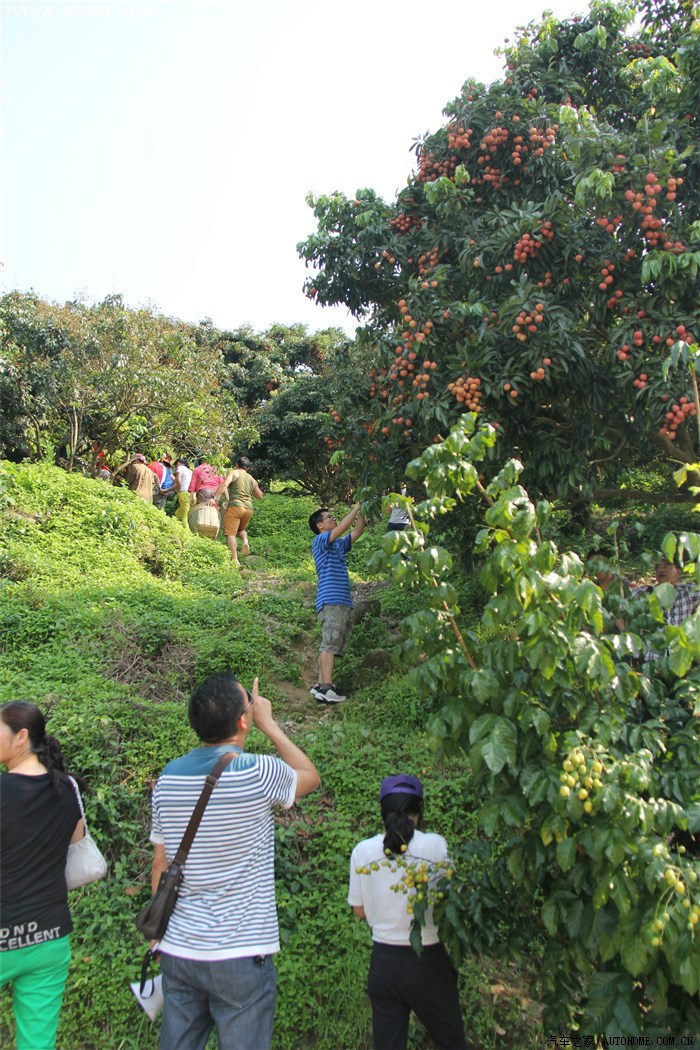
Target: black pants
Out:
[400,981]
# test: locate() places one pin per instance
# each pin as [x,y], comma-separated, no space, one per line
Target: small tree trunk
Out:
[74,434]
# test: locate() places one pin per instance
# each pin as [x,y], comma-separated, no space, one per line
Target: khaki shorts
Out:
[236,520]
[335,628]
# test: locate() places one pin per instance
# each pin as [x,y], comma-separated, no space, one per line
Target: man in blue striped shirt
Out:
[216,954]
[333,601]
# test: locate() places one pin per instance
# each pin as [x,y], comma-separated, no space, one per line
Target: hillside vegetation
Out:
[110,612]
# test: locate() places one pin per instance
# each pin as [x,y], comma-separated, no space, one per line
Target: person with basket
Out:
[216,955]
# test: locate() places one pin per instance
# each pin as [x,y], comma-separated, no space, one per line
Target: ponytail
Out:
[23,714]
[396,814]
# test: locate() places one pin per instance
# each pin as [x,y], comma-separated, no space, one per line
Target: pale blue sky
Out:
[164,150]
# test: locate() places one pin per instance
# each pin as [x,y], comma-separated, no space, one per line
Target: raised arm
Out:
[307,774]
[345,524]
[358,528]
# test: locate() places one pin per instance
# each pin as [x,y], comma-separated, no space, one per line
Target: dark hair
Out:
[23,714]
[243,462]
[184,462]
[395,814]
[315,518]
[216,707]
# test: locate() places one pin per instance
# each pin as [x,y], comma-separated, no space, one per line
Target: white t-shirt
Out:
[226,905]
[385,908]
[185,476]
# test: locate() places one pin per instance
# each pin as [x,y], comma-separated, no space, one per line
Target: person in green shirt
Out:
[242,489]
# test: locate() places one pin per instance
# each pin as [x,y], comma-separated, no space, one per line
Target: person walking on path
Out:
[204,482]
[161,469]
[400,980]
[39,818]
[333,601]
[242,488]
[216,954]
[141,479]
[183,476]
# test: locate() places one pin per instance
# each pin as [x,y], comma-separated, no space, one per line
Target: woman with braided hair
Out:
[400,980]
[39,818]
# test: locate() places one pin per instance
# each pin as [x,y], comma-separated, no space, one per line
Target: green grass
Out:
[109,612]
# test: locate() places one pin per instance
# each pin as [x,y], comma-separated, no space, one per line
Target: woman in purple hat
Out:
[400,980]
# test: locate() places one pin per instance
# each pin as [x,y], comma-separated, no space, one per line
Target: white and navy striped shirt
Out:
[226,906]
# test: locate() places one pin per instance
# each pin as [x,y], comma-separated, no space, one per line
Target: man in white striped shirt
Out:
[216,955]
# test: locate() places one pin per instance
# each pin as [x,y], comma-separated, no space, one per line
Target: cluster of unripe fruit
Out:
[466,391]
[673,876]
[403,223]
[677,415]
[418,880]
[527,323]
[581,777]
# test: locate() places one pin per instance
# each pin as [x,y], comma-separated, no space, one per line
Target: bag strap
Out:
[209,785]
[147,960]
[76,789]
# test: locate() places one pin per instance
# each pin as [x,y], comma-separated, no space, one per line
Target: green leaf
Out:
[669,543]
[680,657]
[415,937]
[634,954]
[566,854]
[689,971]
[549,916]
[500,747]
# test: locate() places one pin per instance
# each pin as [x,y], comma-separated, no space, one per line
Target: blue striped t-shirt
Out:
[226,906]
[332,570]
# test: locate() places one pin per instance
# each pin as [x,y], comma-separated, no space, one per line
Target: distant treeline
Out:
[77,380]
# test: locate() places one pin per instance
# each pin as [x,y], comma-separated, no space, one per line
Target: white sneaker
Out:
[326,696]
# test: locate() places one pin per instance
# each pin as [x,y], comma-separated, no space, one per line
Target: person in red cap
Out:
[400,980]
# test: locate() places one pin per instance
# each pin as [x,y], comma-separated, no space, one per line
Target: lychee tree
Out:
[541,266]
[584,754]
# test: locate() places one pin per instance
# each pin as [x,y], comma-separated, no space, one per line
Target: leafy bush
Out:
[584,753]
[111,649]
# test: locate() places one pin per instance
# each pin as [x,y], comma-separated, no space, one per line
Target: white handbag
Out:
[84,863]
